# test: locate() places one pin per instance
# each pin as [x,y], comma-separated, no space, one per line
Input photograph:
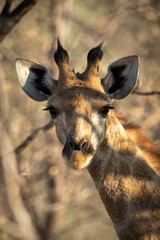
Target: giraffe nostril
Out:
[71,144]
[84,145]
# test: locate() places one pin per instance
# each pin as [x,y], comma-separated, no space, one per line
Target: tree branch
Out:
[9,20]
[31,137]
[6,9]
[146,93]
[23,8]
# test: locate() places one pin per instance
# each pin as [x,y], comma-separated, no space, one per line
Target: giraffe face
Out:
[79,103]
[79,114]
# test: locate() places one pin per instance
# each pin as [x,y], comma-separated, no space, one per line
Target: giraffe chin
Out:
[77,160]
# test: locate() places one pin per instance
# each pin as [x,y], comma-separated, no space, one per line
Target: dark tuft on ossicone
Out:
[61,55]
[95,54]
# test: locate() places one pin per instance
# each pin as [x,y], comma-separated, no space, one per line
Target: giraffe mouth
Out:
[77,159]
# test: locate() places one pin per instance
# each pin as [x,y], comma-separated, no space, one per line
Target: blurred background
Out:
[40,197]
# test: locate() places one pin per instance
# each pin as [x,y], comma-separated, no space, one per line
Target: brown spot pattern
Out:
[124,168]
[115,205]
[94,169]
[141,171]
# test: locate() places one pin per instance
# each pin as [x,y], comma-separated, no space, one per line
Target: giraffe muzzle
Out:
[82,145]
[78,155]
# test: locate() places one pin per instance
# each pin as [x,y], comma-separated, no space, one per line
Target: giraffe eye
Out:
[53,111]
[104,110]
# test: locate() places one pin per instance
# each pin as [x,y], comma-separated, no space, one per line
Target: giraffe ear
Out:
[121,77]
[34,79]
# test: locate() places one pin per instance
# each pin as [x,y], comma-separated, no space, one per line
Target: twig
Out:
[31,137]
[146,93]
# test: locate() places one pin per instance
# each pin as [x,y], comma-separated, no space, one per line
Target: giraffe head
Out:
[79,103]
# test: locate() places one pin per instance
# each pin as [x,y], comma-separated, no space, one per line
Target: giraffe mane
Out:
[143,142]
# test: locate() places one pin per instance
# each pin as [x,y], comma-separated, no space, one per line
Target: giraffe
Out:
[122,161]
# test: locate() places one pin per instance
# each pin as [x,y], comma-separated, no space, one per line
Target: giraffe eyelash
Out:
[48,108]
[52,110]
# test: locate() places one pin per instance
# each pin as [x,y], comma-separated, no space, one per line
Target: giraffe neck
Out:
[128,186]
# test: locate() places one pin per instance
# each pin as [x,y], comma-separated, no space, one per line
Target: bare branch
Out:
[31,137]
[9,20]
[6,9]
[146,93]
[23,8]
